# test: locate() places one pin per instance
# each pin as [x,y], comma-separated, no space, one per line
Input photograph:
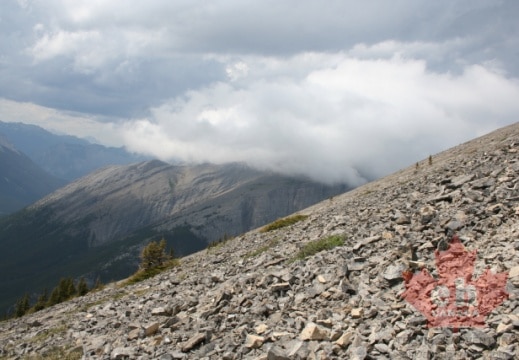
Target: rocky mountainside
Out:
[63,156]
[22,182]
[249,298]
[96,226]
[211,199]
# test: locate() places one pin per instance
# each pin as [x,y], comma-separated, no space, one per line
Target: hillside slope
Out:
[96,226]
[246,299]
[22,182]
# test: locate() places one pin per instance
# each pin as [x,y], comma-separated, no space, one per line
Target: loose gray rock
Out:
[193,342]
[394,272]
[314,332]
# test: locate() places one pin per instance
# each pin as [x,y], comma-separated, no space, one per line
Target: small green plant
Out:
[98,285]
[89,305]
[154,260]
[316,246]
[41,303]
[141,292]
[143,274]
[22,306]
[154,255]
[82,287]
[281,223]
[262,249]
[57,353]
[219,243]
[48,333]
[367,192]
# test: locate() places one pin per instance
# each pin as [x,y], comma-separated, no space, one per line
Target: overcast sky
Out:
[338,90]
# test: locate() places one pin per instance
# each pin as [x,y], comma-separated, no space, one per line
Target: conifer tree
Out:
[41,303]
[82,287]
[154,255]
[98,284]
[22,306]
[64,291]
[55,297]
[67,288]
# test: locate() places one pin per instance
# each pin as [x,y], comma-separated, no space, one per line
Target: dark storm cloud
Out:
[106,57]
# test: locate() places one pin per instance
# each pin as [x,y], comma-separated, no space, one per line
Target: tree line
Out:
[66,289]
[153,259]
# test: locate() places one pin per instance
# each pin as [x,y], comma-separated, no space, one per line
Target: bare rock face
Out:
[115,201]
[251,299]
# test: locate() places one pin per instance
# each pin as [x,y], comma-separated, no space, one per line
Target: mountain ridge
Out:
[96,225]
[22,181]
[64,156]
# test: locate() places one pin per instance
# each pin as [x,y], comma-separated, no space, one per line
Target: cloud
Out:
[122,57]
[105,130]
[335,118]
[340,91]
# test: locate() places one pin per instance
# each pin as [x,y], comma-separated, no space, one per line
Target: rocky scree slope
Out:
[246,300]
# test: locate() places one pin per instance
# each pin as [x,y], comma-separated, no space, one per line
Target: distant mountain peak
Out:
[64,156]
[22,182]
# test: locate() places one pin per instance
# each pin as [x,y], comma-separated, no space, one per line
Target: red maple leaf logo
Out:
[455,299]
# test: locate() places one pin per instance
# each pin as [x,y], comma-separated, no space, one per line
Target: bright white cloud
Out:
[374,115]
[339,90]
[80,125]
[94,51]
[59,43]
[237,70]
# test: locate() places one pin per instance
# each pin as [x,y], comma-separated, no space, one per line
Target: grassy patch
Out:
[316,246]
[89,305]
[262,249]
[281,223]
[218,244]
[182,276]
[367,192]
[44,335]
[141,292]
[142,275]
[57,353]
